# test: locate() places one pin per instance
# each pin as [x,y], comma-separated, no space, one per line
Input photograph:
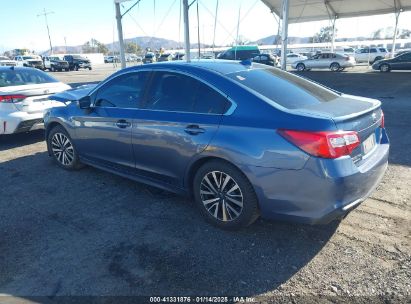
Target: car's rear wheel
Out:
[62,149]
[384,68]
[225,196]
[300,67]
[335,67]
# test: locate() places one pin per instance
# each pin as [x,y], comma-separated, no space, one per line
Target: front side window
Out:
[180,93]
[124,91]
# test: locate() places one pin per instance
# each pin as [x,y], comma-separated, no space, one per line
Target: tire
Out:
[76,67]
[52,69]
[66,70]
[224,196]
[385,68]
[335,67]
[89,68]
[62,150]
[300,67]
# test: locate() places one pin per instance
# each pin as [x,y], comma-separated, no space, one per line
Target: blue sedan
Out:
[244,140]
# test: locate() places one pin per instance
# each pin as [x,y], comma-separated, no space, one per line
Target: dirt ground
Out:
[93,233]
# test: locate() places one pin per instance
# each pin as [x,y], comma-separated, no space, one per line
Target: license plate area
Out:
[368,144]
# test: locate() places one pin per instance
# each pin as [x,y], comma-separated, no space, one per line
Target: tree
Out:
[388,33]
[94,46]
[324,35]
[132,48]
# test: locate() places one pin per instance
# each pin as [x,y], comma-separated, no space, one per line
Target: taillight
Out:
[382,120]
[326,144]
[11,98]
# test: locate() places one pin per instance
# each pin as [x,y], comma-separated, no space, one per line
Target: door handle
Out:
[194,130]
[122,124]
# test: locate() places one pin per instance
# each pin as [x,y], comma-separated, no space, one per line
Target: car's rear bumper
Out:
[18,122]
[320,192]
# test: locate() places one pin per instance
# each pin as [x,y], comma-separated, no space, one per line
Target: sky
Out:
[77,21]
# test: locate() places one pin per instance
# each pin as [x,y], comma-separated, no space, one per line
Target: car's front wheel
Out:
[225,196]
[300,67]
[62,149]
[384,68]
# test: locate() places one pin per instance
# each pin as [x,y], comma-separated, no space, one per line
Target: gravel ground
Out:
[94,233]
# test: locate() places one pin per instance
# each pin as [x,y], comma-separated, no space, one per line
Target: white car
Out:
[4,61]
[370,54]
[333,61]
[33,61]
[294,57]
[24,96]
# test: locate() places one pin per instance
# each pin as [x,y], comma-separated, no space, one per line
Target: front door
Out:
[104,132]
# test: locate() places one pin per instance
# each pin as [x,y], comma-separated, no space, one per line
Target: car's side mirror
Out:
[84,102]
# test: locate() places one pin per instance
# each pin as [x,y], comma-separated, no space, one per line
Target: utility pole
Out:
[65,44]
[47,25]
[186,30]
[119,16]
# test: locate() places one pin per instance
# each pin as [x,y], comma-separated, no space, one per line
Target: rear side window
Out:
[285,89]
[181,93]
[125,91]
[15,77]
[373,51]
[383,50]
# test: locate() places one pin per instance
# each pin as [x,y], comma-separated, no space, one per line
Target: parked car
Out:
[227,134]
[240,52]
[29,61]
[77,62]
[265,59]
[149,58]
[293,57]
[111,59]
[401,62]
[5,61]
[54,63]
[334,62]
[370,54]
[165,57]
[178,56]
[24,96]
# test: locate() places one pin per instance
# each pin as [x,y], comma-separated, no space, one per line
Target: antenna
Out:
[47,26]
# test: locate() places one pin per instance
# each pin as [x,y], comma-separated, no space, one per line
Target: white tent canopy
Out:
[294,11]
[315,10]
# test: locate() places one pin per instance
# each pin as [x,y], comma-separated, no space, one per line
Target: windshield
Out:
[285,89]
[28,57]
[54,58]
[79,57]
[13,77]
[149,55]
[4,58]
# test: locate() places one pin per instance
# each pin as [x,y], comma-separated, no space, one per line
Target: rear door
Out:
[104,133]
[404,62]
[177,121]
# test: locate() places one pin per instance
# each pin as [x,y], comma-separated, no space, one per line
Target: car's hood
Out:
[59,61]
[73,94]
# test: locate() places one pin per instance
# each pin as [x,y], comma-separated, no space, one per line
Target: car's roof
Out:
[223,67]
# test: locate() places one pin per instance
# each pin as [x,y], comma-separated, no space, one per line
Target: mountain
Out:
[273,39]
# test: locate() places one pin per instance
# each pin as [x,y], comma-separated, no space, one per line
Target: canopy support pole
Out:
[333,33]
[186,30]
[284,35]
[394,39]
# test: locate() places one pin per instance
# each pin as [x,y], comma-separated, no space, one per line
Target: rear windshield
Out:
[11,77]
[285,89]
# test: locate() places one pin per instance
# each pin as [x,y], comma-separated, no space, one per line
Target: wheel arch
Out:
[193,168]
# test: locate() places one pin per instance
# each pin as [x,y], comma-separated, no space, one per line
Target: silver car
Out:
[333,61]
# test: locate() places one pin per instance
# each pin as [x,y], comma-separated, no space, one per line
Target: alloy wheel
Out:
[221,196]
[62,149]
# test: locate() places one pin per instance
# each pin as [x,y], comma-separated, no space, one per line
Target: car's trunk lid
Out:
[352,113]
[36,96]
